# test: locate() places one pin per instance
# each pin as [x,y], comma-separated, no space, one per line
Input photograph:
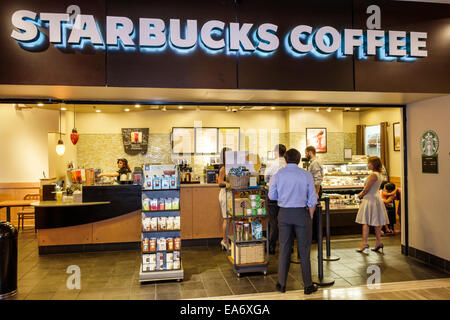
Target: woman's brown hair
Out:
[125,163]
[376,162]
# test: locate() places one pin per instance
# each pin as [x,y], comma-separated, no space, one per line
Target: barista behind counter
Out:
[124,168]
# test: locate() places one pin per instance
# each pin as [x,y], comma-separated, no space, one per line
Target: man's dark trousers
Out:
[273,224]
[298,221]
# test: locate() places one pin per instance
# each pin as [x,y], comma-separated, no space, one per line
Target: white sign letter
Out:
[54,20]
[240,36]
[397,39]
[268,39]
[190,37]
[375,39]
[319,39]
[113,32]
[375,277]
[151,32]
[30,29]
[88,30]
[297,45]
[350,41]
[418,42]
[374,21]
[205,34]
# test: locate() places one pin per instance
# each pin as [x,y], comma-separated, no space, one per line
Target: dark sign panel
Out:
[287,68]
[426,74]
[37,61]
[135,140]
[430,164]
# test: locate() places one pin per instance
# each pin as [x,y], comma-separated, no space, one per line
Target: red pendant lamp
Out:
[74,136]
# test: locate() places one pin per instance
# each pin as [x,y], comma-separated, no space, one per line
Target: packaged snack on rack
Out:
[152,266]
[146,204]
[255,204]
[154,224]
[148,183]
[169,264]
[255,197]
[247,232]
[256,229]
[169,244]
[168,203]
[152,247]
[177,243]
[146,267]
[146,224]
[152,258]
[176,223]
[156,183]
[239,230]
[176,256]
[261,211]
[160,261]
[165,183]
[176,265]
[248,212]
[170,221]
[173,182]
[145,245]
[176,203]
[162,223]
[153,204]
[145,258]
[162,245]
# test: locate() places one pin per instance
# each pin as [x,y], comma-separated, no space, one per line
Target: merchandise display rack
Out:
[234,246]
[159,275]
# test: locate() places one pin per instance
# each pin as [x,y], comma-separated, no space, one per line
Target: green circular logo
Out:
[429,143]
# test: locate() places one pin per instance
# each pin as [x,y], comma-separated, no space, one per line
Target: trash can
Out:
[8,260]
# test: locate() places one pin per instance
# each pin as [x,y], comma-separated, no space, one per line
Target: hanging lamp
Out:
[60,147]
[74,136]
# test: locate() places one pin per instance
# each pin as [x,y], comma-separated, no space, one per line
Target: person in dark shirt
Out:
[123,166]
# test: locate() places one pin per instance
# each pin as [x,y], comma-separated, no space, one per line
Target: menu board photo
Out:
[229,138]
[206,140]
[183,140]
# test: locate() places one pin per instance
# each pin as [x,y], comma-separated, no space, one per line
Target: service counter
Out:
[201,217]
[108,218]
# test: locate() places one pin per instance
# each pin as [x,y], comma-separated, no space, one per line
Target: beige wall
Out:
[23,143]
[428,205]
[300,120]
[390,115]
[162,122]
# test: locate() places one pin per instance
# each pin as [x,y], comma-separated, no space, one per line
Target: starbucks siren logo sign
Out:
[429,143]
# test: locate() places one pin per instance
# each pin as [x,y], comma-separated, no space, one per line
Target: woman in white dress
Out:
[372,211]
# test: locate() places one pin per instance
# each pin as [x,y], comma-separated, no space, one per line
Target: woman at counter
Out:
[223,197]
[124,168]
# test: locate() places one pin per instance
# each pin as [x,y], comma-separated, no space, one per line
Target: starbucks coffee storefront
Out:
[272,71]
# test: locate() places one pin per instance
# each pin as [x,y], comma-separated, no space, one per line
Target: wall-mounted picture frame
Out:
[396,134]
[317,137]
[348,153]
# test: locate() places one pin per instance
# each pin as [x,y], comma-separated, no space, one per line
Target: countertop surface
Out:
[48,204]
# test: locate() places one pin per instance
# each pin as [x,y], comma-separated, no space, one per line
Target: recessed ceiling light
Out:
[180,107]
[347,109]
[198,108]
[329,110]
[317,109]
[126,110]
[63,109]
[357,109]
[137,106]
[98,110]
[272,108]
[228,109]
[164,108]
[40,104]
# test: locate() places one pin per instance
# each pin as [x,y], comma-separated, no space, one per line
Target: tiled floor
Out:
[114,275]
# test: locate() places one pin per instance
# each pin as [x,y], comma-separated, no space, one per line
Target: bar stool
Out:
[27,212]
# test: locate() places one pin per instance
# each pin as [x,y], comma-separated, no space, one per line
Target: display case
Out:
[341,183]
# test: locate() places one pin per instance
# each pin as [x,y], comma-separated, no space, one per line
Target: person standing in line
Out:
[222,180]
[273,207]
[372,211]
[294,190]
[316,169]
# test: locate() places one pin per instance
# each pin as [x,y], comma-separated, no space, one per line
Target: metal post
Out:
[328,257]
[320,280]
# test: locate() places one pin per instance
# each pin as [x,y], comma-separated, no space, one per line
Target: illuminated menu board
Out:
[183,140]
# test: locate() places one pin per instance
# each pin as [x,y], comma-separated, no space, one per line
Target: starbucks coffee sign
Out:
[429,144]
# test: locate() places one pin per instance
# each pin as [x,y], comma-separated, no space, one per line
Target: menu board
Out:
[206,140]
[135,140]
[230,138]
[183,140]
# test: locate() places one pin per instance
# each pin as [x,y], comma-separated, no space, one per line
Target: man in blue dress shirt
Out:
[294,190]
